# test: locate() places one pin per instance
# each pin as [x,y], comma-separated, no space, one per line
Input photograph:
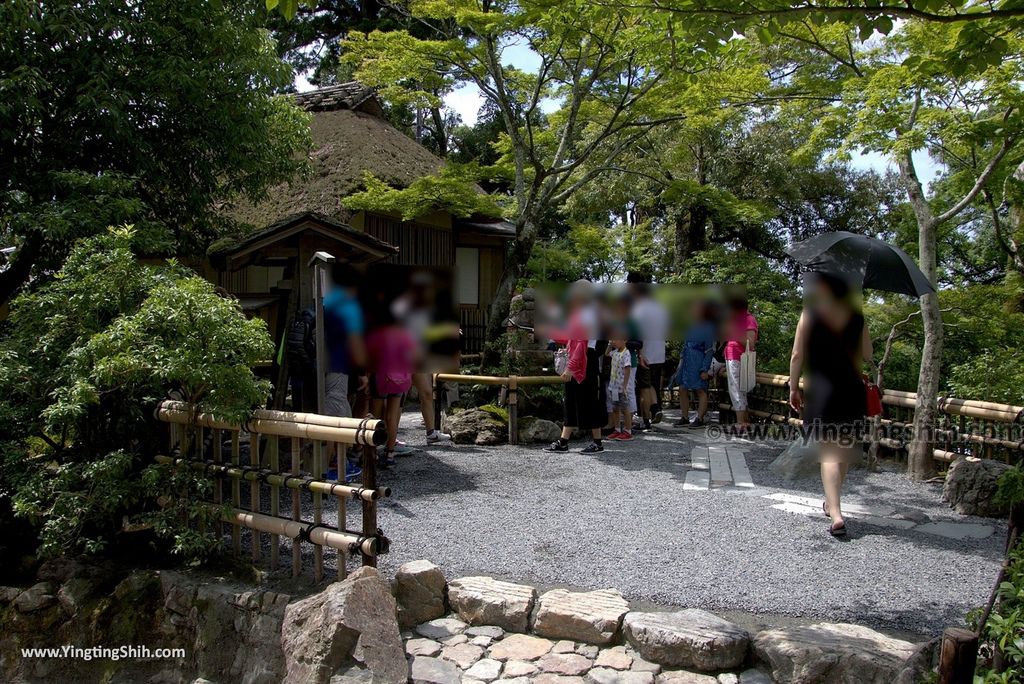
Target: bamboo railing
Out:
[966,427]
[511,383]
[321,436]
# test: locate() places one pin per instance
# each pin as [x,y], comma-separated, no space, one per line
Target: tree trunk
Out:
[920,460]
[522,248]
[682,241]
[697,238]
[20,269]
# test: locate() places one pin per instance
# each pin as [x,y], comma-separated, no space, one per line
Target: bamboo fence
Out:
[966,427]
[511,384]
[270,434]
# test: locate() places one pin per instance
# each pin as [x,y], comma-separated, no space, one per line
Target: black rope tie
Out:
[308,529]
[363,428]
[357,545]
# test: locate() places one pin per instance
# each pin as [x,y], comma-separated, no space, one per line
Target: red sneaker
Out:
[625,436]
[614,435]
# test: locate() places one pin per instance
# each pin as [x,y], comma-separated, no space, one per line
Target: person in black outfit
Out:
[830,344]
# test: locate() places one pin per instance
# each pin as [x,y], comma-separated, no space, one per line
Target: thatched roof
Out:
[349,138]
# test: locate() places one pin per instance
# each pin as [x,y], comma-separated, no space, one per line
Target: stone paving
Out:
[714,466]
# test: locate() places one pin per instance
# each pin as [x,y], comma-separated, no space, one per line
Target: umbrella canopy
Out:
[862,261]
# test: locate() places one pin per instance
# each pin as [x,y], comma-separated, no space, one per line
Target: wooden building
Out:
[265,264]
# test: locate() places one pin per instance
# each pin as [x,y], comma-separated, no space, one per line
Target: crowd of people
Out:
[612,349]
[385,334]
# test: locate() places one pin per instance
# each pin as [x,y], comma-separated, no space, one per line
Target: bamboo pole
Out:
[275,500]
[499,380]
[285,416]
[318,510]
[254,492]
[341,461]
[513,410]
[372,432]
[369,507]
[236,494]
[296,506]
[293,481]
[297,530]
[218,491]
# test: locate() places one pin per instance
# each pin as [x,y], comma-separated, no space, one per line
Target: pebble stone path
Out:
[449,651]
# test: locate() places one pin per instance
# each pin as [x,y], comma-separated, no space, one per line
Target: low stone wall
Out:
[420,628]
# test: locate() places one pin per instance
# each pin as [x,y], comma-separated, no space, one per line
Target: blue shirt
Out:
[342,317]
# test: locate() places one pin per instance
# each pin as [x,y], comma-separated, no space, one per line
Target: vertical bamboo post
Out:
[339,471]
[236,494]
[318,513]
[218,483]
[369,507]
[296,507]
[273,447]
[437,402]
[254,492]
[958,656]
[513,409]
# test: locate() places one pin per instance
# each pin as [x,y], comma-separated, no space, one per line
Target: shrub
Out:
[85,358]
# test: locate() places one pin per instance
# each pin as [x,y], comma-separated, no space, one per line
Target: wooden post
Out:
[341,458]
[513,409]
[273,445]
[296,507]
[437,402]
[958,656]
[254,491]
[218,483]
[318,262]
[318,510]
[369,507]
[236,494]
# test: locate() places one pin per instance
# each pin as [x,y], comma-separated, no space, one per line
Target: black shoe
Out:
[697,423]
[592,448]
[682,422]
[557,446]
[658,415]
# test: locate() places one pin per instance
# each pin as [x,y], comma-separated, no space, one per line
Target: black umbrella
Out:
[862,261]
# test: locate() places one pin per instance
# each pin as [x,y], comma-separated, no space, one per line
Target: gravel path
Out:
[622,519]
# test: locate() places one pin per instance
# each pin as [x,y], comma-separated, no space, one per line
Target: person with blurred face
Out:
[830,344]
[582,403]
[652,320]
[741,335]
[694,369]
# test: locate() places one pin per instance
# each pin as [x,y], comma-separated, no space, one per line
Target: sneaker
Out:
[624,436]
[557,446]
[352,471]
[696,423]
[614,435]
[592,448]
[658,415]
[682,422]
[435,436]
[386,460]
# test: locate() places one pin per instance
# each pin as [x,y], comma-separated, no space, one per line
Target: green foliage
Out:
[496,411]
[453,190]
[85,358]
[152,113]
[1005,625]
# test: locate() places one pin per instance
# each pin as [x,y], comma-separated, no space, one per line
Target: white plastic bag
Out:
[748,369]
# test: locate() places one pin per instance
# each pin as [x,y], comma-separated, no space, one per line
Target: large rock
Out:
[419,590]
[36,597]
[352,619]
[593,617]
[537,430]
[689,638]
[474,426]
[798,461]
[487,601]
[971,485]
[829,652]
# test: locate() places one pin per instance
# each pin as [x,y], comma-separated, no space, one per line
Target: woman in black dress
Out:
[830,345]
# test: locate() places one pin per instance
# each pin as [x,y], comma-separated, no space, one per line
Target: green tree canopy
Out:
[149,112]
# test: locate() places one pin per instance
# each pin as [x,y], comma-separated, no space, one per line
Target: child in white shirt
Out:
[622,390]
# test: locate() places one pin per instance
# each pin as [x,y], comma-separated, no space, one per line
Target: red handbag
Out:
[874,398]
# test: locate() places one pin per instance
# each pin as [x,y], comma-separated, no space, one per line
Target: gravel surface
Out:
[621,519]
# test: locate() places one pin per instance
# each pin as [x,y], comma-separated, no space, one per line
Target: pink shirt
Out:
[737,335]
[392,352]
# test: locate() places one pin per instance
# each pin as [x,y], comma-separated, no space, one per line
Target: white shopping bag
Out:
[748,369]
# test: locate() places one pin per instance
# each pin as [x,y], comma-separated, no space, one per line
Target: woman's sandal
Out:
[824,509]
[837,531]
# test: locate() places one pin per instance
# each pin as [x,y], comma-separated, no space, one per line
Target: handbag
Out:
[561,360]
[873,395]
[748,369]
